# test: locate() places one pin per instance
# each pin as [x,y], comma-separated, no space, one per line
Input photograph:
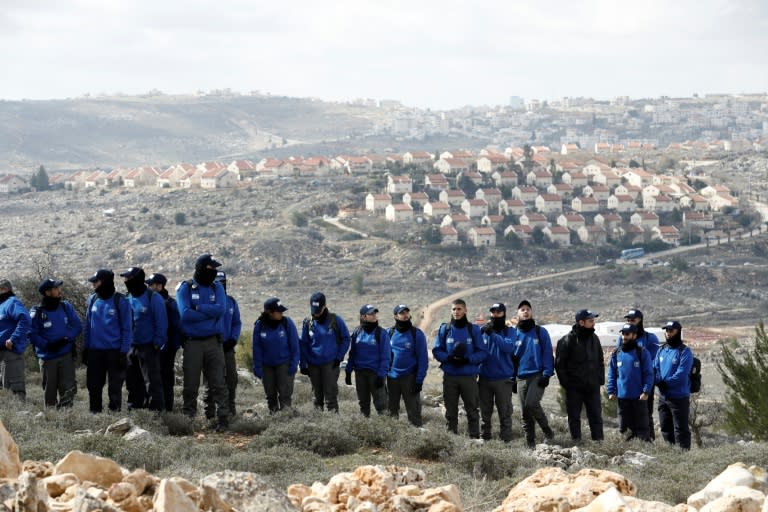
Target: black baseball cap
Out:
[48,284]
[103,274]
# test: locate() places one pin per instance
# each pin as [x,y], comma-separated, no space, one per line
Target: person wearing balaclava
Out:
[650,342]
[54,327]
[671,370]
[460,348]
[369,357]
[150,332]
[497,374]
[202,304]
[14,338]
[408,367]
[581,371]
[535,366]
[107,338]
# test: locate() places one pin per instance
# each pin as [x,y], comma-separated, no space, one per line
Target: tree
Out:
[39,180]
[357,283]
[180,218]
[633,164]
[746,399]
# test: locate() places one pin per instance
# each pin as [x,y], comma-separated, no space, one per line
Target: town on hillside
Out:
[521,195]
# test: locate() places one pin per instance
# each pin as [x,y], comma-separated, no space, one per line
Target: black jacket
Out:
[579,361]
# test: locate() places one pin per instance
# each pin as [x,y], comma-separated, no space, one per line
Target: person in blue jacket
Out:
[650,342]
[202,306]
[497,374]
[671,370]
[630,380]
[460,348]
[535,366]
[107,338]
[150,332]
[407,367]
[324,343]
[54,327]
[232,328]
[369,356]
[157,282]
[275,354]
[14,338]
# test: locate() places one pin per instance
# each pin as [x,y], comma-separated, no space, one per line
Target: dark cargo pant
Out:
[143,379]
[530,395]
[499,393]
[168,376]
[365,385]
[634,416]
[230,380]
[105,366]
[325,385]
[278,386]
[464,387]
[204,355]
[402,387]
[673,421]
[59,381]
[589,398]
[12,373]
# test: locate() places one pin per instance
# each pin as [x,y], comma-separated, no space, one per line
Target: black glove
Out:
[348,379]
[229,345]
[460,350]
[514,385]
[304,371]
[458,360]
[193,307]
[543,382]
[336,363]
[662,386]
[416,389]
[487,328]
[122,362]
[55,346]
[379,382]
[84,357]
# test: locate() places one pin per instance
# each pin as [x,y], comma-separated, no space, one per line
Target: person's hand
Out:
[336,363]
[611,397]
[644,397]
[543,382]
[460,350]
[487,328]
[9,344]
[514,386]
[348,379]
[379,382]
[416,389]
[304,371]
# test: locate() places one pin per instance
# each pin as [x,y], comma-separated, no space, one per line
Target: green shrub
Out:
[322,434]
[426,446]
[180,218]
[490,462]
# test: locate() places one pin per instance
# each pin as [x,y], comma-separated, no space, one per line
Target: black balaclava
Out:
[461,322]
[526,325]
[323,316]
[135,285]
[163,293]
[5,296]
[369,326]
[267,320]
[676,340]
[499,323]
[403,325]
[583,332]
[627,346]
[204,275]
[106,289]
[51,303]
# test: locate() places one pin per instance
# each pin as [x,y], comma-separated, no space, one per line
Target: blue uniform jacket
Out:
[150,321]
[232,323]
[629,377]
[499,364]
[648,341]
[275,346]
[210,302]
[102,329]
[408,355]
[449,337]
[534,353]
[365,353]
[672,366]
[14,324]
[318,342]
[51,326]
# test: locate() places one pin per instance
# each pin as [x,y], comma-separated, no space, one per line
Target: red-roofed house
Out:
[436,182]
[171,177]
[491,163]
[549,203]
[504,178]
[221,178]
[695,202]
[491,195]
[523,232]
[482,237]
[541,178]
[534,219]
[453,197]
[575,179]
[377,202]
[449,236]
[243,168]
[491,220]
[660,203]
[399,184]
[646,220]
[608,220]
[621,203]
[77,180]
[96,179]
[422,158]
[558,235]
[585,204]
[10,184]
[512,207]
[416,199]
[525,193]
[699,220]
[571,221]
[597,190]
[668,234]
[594,235]
[451,166]
[141,177]
[563,190]
[475,208]
[436,210]
[398,212]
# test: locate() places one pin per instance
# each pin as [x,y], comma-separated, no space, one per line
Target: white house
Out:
[491,163]
[221,178]
[533,219]
[549,203]
[572,221]
[245,169]
[585,204]
[453,197]
[399,184]
[449,236]
[698,220]
[512,207]
[575,179]
[525,194]
[621,203]
[421,158]
[377,202]
[595,235]
[563,190]
[492,196]
[451,166]
[437,210]
[171,177]
[416,199]
[504,178]
[10,184]
[398,212]
[597,190]
[143,176]
[558,235]
[475,208]
[482,237]
[436,182]
[668,234]
[646,220]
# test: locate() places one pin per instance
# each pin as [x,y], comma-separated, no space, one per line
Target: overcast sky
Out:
[430,53]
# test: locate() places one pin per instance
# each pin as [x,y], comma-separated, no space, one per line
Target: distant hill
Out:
[131,131]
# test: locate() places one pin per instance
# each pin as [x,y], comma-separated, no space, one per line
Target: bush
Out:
[180,218]
[747,396]
[425,446]
[324,435]
[298,219]
[492,463]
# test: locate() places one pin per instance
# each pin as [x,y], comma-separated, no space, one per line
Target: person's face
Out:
[497,313]
[458,311]
[319,313]
[589,323]
[156,287]
[628,337]
[96,283]
[276,315]
[634,320]
[671,333]
[524,313]
[403,316]
[53,292]
[370,317]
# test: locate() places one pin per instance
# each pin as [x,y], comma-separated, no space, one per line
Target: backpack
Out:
[638,351]
[332,326]
[695,376]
